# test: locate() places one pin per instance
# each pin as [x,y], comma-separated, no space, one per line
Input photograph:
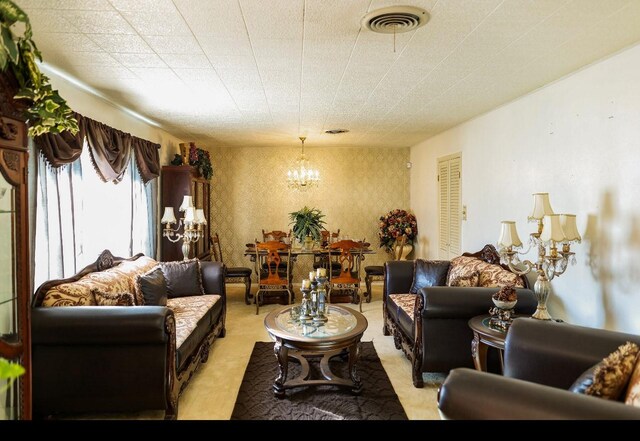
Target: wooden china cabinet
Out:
[15,341]
[178,181]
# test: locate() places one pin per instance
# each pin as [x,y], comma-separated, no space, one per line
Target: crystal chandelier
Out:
[302,176]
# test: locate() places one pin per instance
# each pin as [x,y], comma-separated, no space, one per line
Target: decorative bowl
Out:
[504,305]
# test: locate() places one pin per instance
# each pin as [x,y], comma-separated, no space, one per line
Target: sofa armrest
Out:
[555,354]
[213,278]
[469,394]
[448,302]
[398,277]
[95,325]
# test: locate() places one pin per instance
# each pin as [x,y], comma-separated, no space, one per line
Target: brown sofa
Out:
[542,359]
[89,358]
[430,325]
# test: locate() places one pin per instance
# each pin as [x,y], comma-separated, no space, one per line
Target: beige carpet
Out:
[212,392]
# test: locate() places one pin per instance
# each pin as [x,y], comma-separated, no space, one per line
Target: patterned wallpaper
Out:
[249,193]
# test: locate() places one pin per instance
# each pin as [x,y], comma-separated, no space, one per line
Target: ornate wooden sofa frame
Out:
[149,344]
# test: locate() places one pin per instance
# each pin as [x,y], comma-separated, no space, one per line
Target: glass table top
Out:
[341,321]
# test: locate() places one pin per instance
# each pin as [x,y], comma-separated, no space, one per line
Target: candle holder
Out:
[305,306]
[320,302]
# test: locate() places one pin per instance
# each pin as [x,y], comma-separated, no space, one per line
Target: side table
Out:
[483,337]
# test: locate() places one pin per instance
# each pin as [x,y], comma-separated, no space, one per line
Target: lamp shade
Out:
[552,230]
[168,217]
[541,206]
[186,203]
[200,219]
[568,222]
[509,235]
[189,215]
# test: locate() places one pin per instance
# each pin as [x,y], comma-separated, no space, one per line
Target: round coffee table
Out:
[340,335]
[483,337]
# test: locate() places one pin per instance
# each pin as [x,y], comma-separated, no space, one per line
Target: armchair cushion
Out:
[428,273]
[633,390]
[112,299]
[152,288]
[183,278]
[404,306]
[611,375]
[491,275]
[467,281]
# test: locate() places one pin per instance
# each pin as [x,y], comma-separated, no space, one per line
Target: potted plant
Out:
[9,372]
[307,225]
[195,157]
[47,112]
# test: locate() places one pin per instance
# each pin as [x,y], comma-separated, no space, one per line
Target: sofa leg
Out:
[416,367]
[172,412]
[223,333]
[385,330]
[397,340]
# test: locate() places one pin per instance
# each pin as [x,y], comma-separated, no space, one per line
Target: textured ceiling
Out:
[263,72]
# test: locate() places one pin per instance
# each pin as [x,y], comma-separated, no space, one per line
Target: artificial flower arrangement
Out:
[393,225]
[196,157]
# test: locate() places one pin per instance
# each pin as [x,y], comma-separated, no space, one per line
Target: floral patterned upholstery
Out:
[491,275]
[188,311]
[405,302]
[116,280]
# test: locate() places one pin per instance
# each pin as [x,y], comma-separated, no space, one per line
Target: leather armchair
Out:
[542,360]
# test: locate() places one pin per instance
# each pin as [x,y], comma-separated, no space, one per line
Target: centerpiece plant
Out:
[307,223]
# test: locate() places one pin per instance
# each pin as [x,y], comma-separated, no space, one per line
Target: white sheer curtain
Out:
[78,216]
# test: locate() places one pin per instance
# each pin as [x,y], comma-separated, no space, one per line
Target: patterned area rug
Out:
[377,401]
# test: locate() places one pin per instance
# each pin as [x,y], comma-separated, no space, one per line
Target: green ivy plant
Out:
[48,112]
[9,372]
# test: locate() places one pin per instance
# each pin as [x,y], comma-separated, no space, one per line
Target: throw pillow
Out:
[466,281]
[183,278]
[464,266]
[112,299]
[151,288]
[428,273]
[610,376]
[633,390]
[494,276]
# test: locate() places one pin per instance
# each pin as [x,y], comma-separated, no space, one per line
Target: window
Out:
[78,216]
[449,178]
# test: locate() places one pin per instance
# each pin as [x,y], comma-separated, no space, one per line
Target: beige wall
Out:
[249,193]
[579,140]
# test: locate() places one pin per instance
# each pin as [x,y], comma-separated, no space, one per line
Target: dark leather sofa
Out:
[542,360]
[437,338]
[115,358]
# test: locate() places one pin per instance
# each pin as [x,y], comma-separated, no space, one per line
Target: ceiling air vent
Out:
[395,19]
[336,131]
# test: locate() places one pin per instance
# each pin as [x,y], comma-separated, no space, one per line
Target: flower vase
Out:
[406,249]
[184,152]
[308,243]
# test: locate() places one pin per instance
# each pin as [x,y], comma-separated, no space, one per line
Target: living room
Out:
[533,97]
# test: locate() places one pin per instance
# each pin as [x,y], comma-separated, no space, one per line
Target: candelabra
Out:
[314,298]
[192,223]
[553,230]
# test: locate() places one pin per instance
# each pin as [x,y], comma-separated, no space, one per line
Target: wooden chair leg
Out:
[257,299]
[247,290]
[367,281]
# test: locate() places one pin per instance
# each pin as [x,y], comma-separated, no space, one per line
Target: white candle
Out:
[322,272]
[312,276]
[306,283]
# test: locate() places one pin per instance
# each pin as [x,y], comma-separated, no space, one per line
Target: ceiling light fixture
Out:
[302,176]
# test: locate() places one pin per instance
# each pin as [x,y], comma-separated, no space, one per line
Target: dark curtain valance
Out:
[110,150]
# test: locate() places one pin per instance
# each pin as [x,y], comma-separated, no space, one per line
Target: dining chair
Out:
[272,267]
[276,235]
[348,254]
[377,271]
[233,273]
[321,257]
